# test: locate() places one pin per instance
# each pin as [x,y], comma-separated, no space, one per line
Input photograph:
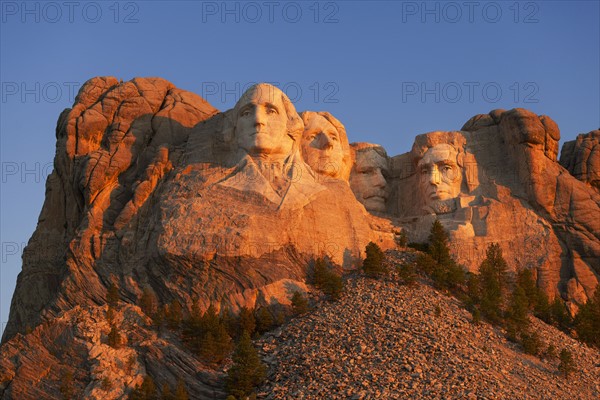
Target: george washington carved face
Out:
[261,122]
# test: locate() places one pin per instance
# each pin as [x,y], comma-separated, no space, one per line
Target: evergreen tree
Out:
[426,264]
[175,315]
[527,283]
[542,307]
[493,280]
[112,296]
[587,321]
[327,280]
[567,364]
[66,385]
[550,352]
[247,370]
[145,391]
[473,290]
[438,244]
[166,392]
[374,263]
[181,392]
[334,286]
[321,271]
[299,303]
[264,320]
[247,322]
[441,267]
[114,337]
[148,302]
[531,342]
[560,316]
[518,309]
[407,274]
[215,345]
[402,239]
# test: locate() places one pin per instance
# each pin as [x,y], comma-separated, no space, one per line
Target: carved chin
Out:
[441,206]
[375,204]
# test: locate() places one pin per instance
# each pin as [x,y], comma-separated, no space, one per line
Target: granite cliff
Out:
[155,189]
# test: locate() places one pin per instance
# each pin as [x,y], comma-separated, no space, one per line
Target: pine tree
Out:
[299,303]
[587,321]
[247,322]
[166,392]
[560,316]
[112,296]
[550,352]
[531,342]
[114,337]
[247,371]
[407,274]
[334,286]
[145,391]
[181,392]
[373,264]
[527,283]
[518,309]
[148,302]
[438,244]
[493,279]
[66,385]
[264,320]
[175,315]
[473,289]
[567,364]
[320,272]
[444,271]
[327,280]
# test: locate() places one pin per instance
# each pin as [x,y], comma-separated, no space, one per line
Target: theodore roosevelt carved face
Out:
[368,177]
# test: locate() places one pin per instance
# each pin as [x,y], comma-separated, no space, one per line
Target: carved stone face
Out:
[368,179]
[261,126]
[440,176]
[322,147]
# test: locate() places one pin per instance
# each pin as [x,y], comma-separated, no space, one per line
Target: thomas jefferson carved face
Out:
[261,125]
[440,176]
[325,146]
[368,178]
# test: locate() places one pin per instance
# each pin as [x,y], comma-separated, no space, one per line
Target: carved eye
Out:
[245,113]
[272,110]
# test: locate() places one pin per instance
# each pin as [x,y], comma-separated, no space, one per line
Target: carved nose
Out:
[326,142]
[379,180]
[259,118]
[434,176]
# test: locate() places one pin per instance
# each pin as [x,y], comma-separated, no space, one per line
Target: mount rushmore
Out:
[154,187]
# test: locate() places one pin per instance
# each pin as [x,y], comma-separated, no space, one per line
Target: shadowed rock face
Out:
[581,157]
[153,188]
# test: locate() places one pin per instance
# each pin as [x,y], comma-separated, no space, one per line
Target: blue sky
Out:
[388,70]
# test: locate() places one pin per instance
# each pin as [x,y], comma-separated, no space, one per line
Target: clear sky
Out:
[388,70]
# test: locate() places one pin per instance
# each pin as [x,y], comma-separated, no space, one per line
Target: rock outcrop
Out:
[153,189]
[498,180]
[581,157]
